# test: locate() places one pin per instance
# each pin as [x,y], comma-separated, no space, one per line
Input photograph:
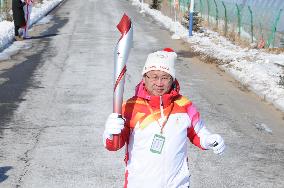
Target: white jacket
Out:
[144,119]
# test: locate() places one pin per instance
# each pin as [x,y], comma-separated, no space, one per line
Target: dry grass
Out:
[275,50]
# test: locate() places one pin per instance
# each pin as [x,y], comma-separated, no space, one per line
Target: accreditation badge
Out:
[157,144]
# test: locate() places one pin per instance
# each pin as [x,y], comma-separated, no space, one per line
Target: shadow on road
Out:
[185,54]
[42,36]
[20,77]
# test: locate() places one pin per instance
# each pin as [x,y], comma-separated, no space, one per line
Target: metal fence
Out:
[258,21]
[252,21]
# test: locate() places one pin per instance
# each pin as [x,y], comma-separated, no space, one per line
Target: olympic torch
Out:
[121,53]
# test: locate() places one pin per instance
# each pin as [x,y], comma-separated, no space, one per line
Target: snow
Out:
[44,20]
[256,69]
[38,12]
[263,127]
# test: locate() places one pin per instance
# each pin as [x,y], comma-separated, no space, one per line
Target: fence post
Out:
[239,19]
[191,10]
[274,28]
[201,7]
[226,18]
[217,13]
[251,23]
[208,12]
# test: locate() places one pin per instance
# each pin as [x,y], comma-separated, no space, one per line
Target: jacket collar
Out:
[154,101]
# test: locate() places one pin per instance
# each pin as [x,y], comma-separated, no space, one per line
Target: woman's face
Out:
[157,83]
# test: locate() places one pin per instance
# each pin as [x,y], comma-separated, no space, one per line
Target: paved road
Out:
[58,93]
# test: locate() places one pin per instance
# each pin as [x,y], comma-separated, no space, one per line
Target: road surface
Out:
[56,94]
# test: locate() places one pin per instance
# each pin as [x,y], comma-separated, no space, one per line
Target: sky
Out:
[259,71]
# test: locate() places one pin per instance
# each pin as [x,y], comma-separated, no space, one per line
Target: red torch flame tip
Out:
[124,24]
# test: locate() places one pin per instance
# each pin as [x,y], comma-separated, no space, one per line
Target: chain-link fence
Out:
[260,22]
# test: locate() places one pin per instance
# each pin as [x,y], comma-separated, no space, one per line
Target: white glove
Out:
[216,143]
[113,125]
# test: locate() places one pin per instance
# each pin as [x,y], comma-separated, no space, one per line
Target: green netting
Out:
[251,19]
[183,4]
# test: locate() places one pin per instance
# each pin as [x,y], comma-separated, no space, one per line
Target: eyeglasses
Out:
[155,78]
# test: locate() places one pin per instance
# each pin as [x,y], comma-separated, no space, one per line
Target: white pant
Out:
[27,10]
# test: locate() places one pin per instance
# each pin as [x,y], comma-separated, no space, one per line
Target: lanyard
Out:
[167,115]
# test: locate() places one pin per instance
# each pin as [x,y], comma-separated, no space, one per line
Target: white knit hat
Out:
[162,61]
